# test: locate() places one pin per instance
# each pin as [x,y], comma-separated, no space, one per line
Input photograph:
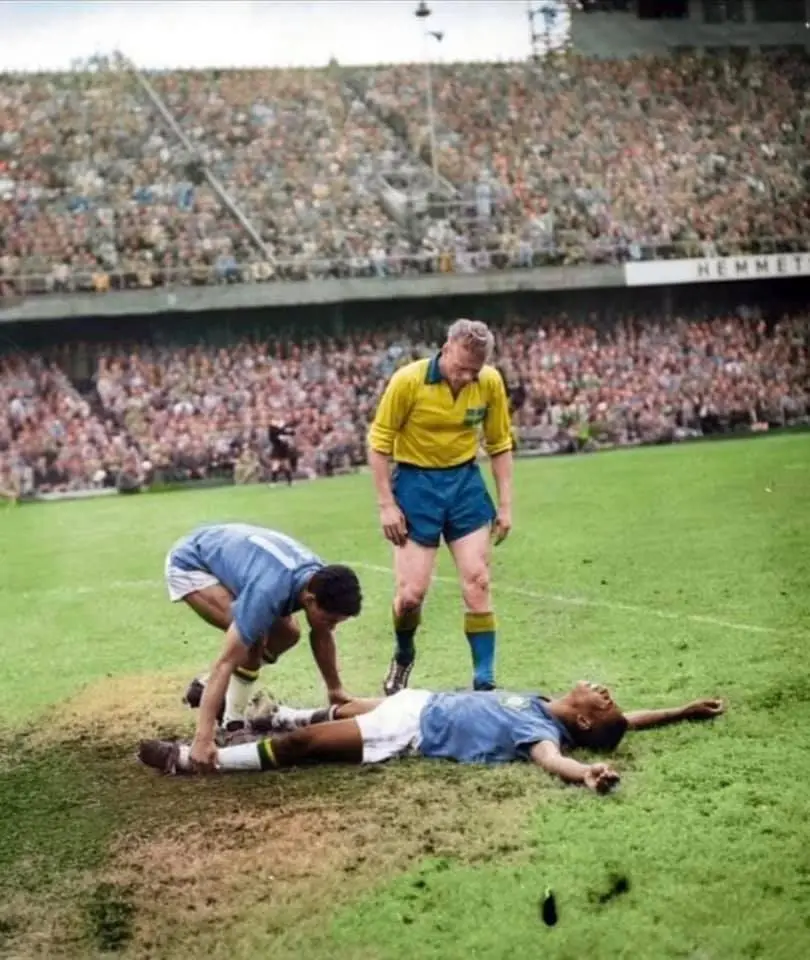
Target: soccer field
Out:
[667,573]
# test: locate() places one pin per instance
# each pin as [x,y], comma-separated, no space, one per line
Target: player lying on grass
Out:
[248,582]
[469,727]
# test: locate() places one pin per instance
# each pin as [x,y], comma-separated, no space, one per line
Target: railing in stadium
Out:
[445,262]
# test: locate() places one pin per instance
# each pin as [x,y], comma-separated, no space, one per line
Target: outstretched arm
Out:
[696,710]
[598,777]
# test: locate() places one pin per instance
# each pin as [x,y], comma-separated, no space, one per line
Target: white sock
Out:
[301,717]
[237,697]
[244,756]
[183,761]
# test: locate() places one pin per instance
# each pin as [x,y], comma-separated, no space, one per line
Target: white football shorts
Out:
[393,729]
[181,577]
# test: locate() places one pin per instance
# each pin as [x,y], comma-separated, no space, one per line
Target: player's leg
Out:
[413,567]
[243,685]
[390,729]
[283,718]
[213,605]
[203,593]
[340,741]
[287,470]
[413,570]
[282,636]
[468,536]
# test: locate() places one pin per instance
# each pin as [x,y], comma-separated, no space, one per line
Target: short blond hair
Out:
[474,334]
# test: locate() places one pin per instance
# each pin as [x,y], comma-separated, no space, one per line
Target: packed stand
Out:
[589,161]
[576,387]
[95,195]
[301,157]
[51,439]
[176,414]
[617,159]
[201,412]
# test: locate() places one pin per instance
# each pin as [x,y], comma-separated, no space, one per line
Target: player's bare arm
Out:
[499,445]
[599,777]
[324,650]
[392,520]
[235,653]
[390,417]
[703,709]
[502,470]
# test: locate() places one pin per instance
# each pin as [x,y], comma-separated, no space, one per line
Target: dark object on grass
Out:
[619,884]
[548,909]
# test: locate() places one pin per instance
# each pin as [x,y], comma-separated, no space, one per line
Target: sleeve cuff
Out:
[500,448]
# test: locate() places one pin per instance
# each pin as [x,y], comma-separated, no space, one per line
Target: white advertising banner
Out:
[771,266]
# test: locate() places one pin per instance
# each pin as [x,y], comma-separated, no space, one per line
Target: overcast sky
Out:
[188,33]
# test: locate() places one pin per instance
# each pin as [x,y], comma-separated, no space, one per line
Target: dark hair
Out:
[337,590]
[604,735]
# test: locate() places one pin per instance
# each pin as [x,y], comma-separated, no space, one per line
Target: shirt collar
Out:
[433,375]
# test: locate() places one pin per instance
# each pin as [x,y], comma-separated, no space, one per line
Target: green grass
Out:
[668,573]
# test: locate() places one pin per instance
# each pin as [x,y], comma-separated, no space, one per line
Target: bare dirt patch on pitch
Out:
[117,710]
[316,839]
[186,864]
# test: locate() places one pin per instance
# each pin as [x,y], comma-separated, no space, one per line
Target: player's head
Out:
[468,347]
[332,596]
[591,716]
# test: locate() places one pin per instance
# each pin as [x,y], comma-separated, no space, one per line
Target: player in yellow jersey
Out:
[429,422]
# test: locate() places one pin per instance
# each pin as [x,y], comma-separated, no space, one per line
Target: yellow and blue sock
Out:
[405,627]
[480,631]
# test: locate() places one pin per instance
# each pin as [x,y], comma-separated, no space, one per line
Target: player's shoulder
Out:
[490,377]
[410,374]
[414,369]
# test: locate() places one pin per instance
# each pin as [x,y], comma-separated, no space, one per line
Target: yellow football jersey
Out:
[419,421]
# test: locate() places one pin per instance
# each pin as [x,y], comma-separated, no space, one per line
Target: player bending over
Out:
[249,581]
[472,727]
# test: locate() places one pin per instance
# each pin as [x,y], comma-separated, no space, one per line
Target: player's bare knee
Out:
[409,597]
[289,634]
[413,566]
[475,586]
[282,637]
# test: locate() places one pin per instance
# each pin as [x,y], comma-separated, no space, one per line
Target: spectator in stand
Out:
[691,155]
[94,193]
[50,438]
[196,412]
[599,160]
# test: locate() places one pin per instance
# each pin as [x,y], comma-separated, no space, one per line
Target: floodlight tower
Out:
[422,13]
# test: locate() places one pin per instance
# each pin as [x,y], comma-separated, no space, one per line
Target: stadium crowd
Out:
[198,412]
[51,437]
[590,161]
[692,155]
